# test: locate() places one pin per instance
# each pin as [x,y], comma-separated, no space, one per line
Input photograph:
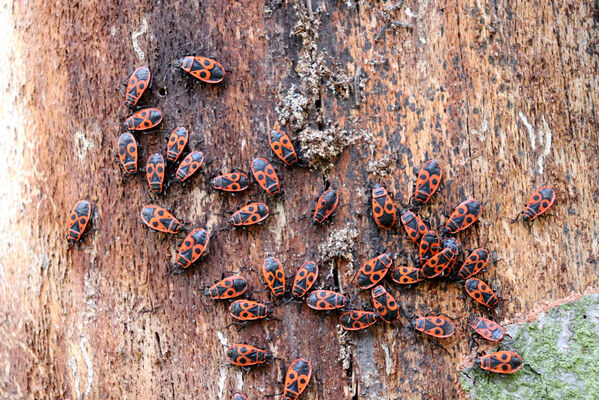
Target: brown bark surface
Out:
[503,93]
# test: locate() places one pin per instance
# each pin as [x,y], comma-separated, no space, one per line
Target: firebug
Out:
[244,355]
[176,143]
[143,120]
[463,216]
[326,205]
[79,218]
[502,362]
[304,278]
[297,379]
[438,326]
[228,288]
[159,219]
[202,68]
[281,145]
[265,175]
[357,320]
[427,182]
[192,248]
[383,209]
[274,275]
[137,83]
[155,172]
[481,292]
[373,271]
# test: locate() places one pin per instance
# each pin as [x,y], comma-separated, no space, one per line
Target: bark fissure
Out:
[562,66]
[466,89]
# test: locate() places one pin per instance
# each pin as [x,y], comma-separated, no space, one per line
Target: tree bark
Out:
[503,94]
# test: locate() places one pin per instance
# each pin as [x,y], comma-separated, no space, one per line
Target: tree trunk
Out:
[503,94]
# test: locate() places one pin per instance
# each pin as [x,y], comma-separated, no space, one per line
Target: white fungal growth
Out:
[502,146]
[73,364]
[222,339]
[88,363]
[222,377]
[239,384]
[546,140]
[388,360]
[83,145]
[144,28]
[544,137]
[481,133]
[530,129]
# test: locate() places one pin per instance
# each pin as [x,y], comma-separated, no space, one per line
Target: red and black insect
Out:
[137,83]
[385,304]
[176,143]
[265,175]
[476,262]
[232,182]
[297,379]
[488,329]
[281,145]
[427,182]
[481,292]
[438,264]
[325,300]
[373,271]
[127,152]
[192,248]
[326,205]
[190,165]
[539,203]
[244,355]
[248,310]
[406,275]
[502,362]
[239,396]
[413,225]
[142,120]
[159,219]
[383,209]
[438,326]
[202,68]
[79,218]
[155,172]
[251,214]
[274,275]
[357,320]
[430,244]
[463,216]
[452,244]
[228,288]
[304,278]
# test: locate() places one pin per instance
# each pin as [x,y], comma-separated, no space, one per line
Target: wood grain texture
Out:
[504,94]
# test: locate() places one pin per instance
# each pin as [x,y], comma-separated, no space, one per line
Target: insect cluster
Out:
[438,255]
[438,250]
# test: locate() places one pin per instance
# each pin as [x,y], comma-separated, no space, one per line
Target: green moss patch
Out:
[560,352]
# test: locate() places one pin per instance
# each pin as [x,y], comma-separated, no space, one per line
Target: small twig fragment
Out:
[381,32]
[394,24]
[357,86]
[398,24]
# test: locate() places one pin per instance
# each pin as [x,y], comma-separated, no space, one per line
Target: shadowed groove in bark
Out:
[563,69]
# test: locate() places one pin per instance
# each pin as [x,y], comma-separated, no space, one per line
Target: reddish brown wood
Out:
[503,93]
